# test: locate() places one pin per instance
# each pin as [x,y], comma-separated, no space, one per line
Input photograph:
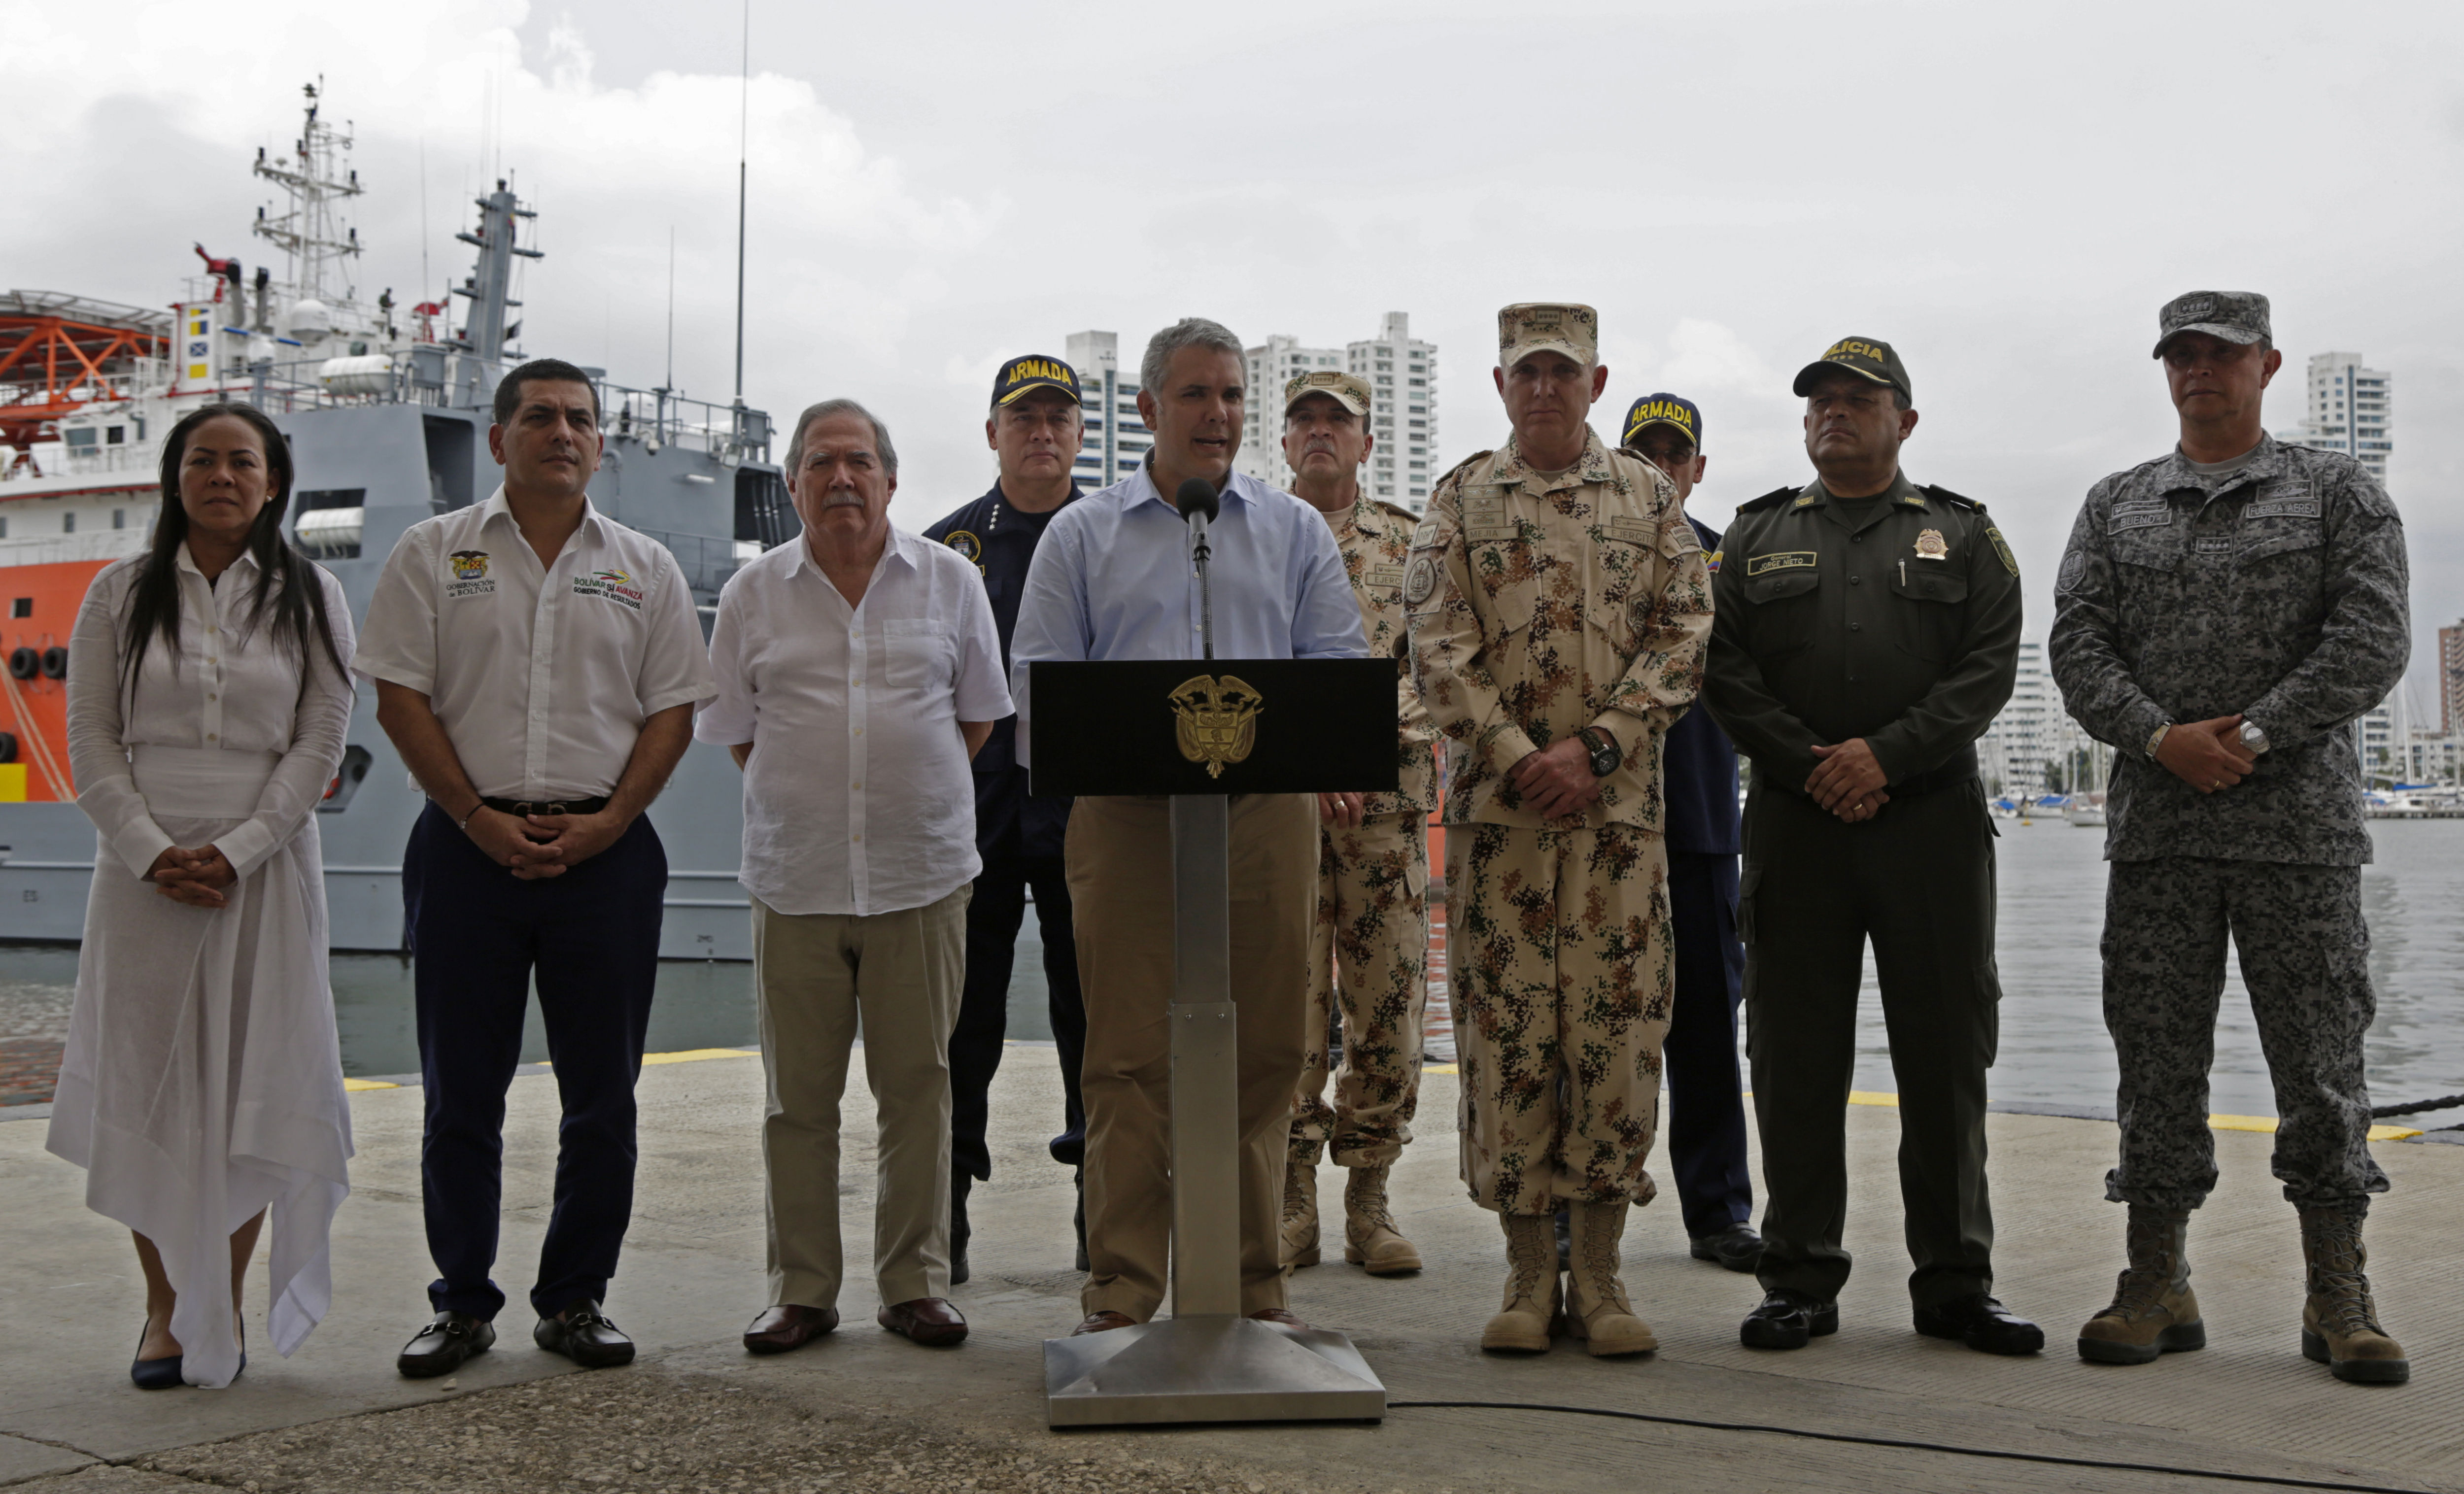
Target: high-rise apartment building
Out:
[2451,680]
[1116,437]
[2349,411]
[2032,744]
[1402,378]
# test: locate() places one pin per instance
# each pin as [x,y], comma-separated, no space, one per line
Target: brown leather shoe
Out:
[1280,1316]
[790,1326]
[1104,1323]
[930,1321]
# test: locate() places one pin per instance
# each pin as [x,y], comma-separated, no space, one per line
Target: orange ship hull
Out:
[42,607]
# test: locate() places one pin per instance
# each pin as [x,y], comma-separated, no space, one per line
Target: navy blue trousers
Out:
[993,919]
[477,937]
[1706,1112]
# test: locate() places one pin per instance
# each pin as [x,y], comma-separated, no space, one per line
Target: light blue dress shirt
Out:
[1114,580]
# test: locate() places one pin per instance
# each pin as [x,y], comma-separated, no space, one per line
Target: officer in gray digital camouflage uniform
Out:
[2223,615]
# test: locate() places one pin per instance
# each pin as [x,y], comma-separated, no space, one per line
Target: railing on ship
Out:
[427,374]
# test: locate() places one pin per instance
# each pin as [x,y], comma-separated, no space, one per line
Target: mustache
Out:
[842,497]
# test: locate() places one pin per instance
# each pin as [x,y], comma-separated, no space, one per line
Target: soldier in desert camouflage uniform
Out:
[2223,615]
[1559,603]
[1369,945]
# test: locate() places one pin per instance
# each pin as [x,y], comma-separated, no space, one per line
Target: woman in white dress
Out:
[201,1088]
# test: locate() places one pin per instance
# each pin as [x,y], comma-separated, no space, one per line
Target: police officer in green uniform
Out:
[1866,631]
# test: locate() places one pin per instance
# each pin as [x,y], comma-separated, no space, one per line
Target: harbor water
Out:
[2054,1052]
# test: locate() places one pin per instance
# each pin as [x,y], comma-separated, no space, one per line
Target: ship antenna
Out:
[743,150]
[670,381]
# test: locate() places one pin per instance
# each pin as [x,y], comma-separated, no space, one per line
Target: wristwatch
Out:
[1606,755]
[2253,737]
[2156,739]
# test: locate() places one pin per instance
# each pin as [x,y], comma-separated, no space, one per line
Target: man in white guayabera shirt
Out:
[858,671]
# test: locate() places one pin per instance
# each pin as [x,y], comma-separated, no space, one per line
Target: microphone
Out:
[1197,495]
[1198,504]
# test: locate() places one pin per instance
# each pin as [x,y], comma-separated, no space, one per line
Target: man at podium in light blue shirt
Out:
[1114,580]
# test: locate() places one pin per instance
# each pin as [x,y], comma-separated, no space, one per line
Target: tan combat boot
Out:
[1300,1214]
[1599,1312]
[2153,1310]
[1532,1307]
[1370,1239]
[2339,1325]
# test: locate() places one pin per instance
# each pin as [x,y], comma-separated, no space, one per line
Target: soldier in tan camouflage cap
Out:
[1369,947]
[1558,605]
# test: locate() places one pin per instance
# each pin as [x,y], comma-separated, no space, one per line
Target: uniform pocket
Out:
[1783,616]
[917,652]
[1937,616]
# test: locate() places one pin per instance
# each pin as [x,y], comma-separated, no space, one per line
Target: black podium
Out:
[1199,730]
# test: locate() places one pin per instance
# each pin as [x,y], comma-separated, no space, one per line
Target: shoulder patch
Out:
[1768,499]
[1937,491]
[2002,548]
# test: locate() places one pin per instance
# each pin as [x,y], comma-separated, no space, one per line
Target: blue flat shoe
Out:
[154,1374]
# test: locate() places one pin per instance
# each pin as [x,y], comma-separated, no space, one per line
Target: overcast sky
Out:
[2006,193]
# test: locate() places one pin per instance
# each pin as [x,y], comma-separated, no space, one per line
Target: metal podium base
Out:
[1208,1369]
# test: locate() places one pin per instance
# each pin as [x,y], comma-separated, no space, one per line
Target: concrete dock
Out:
[1874,1408]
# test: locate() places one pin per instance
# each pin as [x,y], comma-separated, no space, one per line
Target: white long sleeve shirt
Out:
[857,798]
[231,699]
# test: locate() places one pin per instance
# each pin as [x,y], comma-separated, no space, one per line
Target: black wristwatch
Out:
[1607,756]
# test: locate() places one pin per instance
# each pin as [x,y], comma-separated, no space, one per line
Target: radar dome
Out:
[310,321]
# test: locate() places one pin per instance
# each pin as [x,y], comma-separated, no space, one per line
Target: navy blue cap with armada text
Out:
[1034,371]
[1664,410]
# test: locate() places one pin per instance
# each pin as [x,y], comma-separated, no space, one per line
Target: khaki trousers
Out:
[1121,895]
[1562,957]
[1369,949]
[818,977]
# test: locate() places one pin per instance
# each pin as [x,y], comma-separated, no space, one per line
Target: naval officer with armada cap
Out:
[1034,430]
[1867,631]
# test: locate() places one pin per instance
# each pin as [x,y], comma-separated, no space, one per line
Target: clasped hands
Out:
[1556,781]
[540,846]
[195,876]
[2207,755]
[1848,779]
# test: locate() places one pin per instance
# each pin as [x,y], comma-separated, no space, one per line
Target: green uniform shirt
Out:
[1896,620]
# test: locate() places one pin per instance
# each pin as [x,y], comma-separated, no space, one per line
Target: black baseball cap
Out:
[1034,371]
[1864,357]
[1664,410]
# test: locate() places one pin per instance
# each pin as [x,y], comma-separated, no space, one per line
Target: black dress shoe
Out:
[790,1326]
[1078,1221]
[441,1347]
[1737,1247]
[960,1231]
[583,1334]
[1786,1319]
[1981,1323]
[154,1374]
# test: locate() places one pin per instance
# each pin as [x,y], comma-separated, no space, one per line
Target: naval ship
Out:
[386,410]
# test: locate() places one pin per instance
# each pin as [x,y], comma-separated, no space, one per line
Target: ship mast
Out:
[319,178]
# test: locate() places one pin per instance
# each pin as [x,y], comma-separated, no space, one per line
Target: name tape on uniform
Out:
[1779,560]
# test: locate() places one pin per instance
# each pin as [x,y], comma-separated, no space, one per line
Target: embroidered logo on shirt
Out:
[470,573]
[614,586]
[967,545]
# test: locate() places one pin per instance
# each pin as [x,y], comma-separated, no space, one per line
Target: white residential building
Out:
[2350,410]
[2030,733]
[1402,378]
[1116,438]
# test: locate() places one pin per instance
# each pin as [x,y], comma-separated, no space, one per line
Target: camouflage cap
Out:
[1349,390]
[1528,328]
[2235,316]
[1863,357]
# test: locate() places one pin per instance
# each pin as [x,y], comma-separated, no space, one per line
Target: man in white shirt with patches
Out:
[859,670]
[536,665]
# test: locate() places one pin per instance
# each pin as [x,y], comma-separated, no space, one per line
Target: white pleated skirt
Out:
[202,1079]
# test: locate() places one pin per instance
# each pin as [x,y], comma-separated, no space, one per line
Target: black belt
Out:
[520,808]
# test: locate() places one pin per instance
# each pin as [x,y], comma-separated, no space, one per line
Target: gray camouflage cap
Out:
[2235,316]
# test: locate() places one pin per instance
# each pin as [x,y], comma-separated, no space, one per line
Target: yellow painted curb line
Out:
[355,1085]
[695,1054]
